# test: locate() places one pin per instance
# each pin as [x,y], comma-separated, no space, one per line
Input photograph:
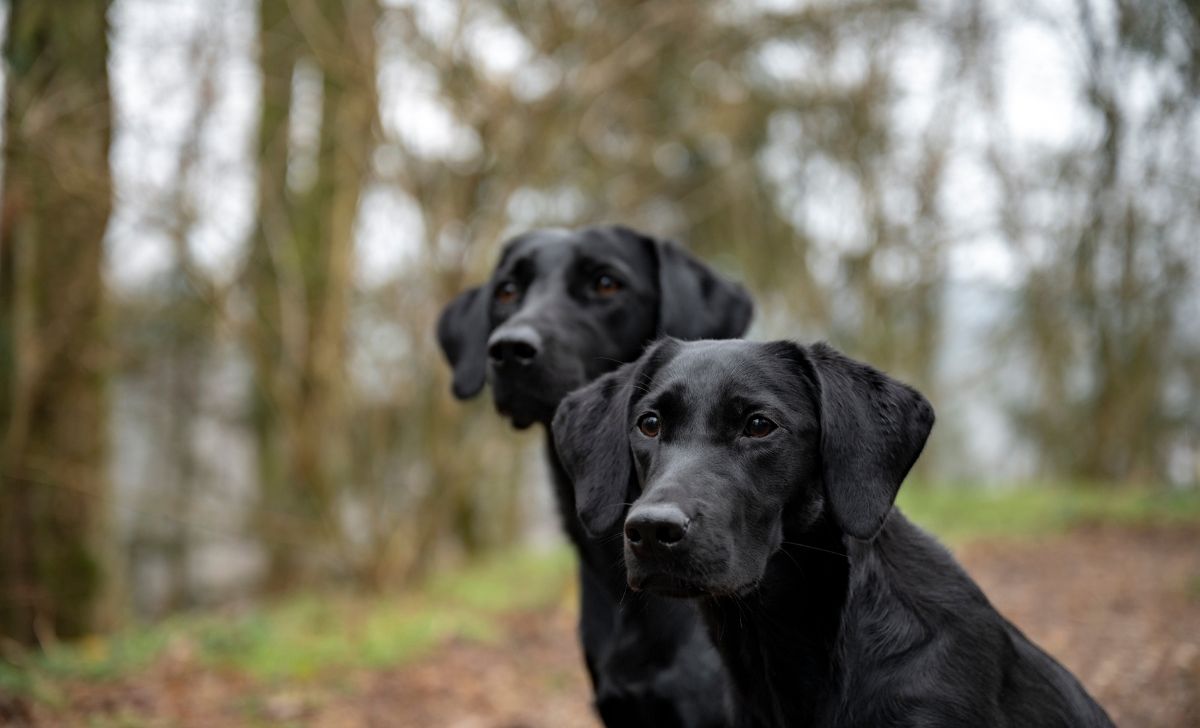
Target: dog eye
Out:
[506,292]
[759,426]
[606,285]
[649,424]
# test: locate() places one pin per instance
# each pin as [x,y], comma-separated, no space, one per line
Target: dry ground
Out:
[1119,606]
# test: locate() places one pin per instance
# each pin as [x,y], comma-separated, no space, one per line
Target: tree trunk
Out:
[57,198]
[302,267]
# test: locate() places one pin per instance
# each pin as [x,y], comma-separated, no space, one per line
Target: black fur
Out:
[558,328]
[828,606]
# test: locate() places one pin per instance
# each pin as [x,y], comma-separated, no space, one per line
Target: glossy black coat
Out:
[561,308]
[828,606]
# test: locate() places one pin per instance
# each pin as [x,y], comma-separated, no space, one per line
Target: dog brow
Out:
[524,266]
[672,402]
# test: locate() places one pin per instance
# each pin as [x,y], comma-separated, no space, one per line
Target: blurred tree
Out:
[1103,307]
[57,199]
[166,337]
[314,155]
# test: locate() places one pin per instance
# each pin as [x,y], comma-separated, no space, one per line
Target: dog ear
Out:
[695,302]
[591,439]
[462,332]
[873,428]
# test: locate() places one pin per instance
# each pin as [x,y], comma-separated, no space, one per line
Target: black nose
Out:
[517,346]
[656,527]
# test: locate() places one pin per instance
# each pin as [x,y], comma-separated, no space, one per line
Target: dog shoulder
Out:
[953,658]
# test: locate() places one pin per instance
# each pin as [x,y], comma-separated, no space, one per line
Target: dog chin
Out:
[522,422]
[666,583]
[521,419]
[522,411]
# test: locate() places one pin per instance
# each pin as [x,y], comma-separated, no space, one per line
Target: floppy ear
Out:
[872,430]
[462,332]
[592,441]
[695,302]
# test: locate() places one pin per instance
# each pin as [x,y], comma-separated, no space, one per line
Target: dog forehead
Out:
[544,247]
[555,249]
[712,373]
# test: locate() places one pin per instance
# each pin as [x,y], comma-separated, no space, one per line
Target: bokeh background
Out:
[229,458]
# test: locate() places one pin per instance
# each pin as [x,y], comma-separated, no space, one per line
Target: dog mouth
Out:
[523,404]
[529,397]
[519,420]
[690,579]
[668,585]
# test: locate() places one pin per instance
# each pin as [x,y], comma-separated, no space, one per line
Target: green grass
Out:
[309,636]
[958,514]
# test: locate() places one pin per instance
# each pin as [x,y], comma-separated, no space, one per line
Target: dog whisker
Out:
[814,548]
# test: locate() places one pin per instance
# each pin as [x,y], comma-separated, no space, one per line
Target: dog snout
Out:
[517,346]
[656,528]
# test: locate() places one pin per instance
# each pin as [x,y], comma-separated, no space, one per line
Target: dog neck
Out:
[780,640]
[830,613]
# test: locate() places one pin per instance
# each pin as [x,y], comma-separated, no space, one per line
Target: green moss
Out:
[312,636]
[508,582]
[958,513]
[1193,588]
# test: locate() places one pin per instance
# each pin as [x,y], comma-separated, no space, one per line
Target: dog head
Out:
[722,444]
[564,306]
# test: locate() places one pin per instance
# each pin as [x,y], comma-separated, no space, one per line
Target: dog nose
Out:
[656,527]
[518,346]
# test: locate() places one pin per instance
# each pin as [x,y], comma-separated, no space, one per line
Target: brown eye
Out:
[506,292]
[606,285]
[649,424]
[759,426]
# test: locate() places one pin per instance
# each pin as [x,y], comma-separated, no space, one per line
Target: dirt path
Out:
[1121,608]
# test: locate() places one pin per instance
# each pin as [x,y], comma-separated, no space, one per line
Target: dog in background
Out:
[762,478]
[562,308]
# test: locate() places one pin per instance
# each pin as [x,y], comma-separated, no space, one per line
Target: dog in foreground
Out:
[561,308]
[762,478]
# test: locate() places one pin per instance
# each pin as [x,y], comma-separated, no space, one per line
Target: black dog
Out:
[562,308]
[764,476]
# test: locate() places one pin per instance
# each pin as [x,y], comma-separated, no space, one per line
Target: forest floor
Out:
[1117,600]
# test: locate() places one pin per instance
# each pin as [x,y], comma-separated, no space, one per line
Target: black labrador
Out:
[762,477]
[562,308]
